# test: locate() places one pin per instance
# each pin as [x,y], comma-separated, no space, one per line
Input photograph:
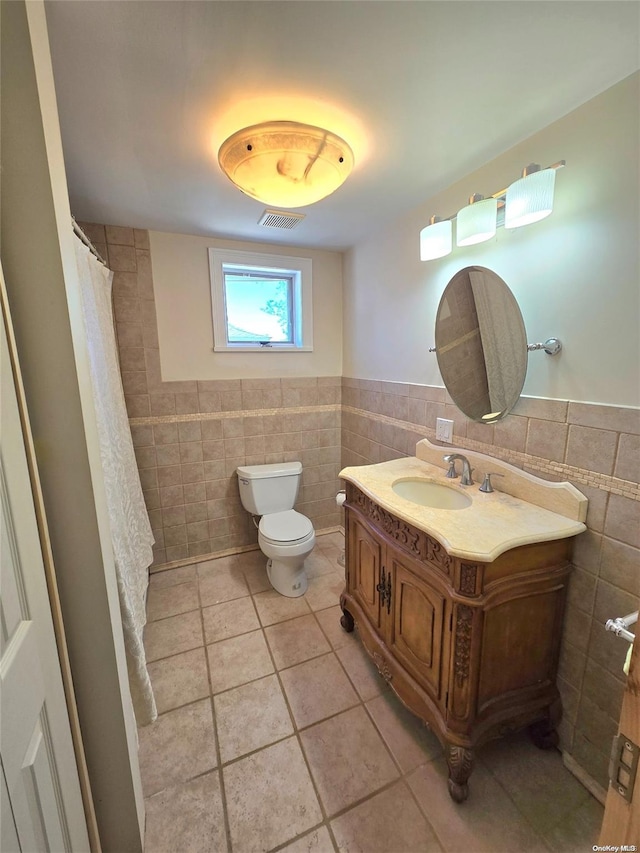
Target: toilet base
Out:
[289,582]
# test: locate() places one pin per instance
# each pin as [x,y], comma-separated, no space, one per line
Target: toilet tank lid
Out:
[279,469]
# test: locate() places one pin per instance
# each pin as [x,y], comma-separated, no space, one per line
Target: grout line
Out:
[223,795]
[296,734]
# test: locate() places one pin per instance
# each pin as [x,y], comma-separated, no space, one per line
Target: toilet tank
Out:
[269,488]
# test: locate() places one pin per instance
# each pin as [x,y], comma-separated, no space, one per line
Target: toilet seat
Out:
[288,527]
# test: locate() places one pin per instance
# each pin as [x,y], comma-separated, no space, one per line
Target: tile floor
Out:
[275,732]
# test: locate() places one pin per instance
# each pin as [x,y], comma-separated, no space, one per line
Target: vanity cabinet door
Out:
[417,633]
[365,570]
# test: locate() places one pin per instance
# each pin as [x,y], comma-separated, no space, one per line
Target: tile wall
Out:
[597,448]
[190,436]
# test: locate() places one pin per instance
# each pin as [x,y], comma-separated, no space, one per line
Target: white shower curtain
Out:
[131,534]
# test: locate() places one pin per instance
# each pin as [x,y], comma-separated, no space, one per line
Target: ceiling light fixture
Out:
[285,163]
[527,200]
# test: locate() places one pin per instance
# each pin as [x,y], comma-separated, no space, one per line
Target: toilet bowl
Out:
[285,536]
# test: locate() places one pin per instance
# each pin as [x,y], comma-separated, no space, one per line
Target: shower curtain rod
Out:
[80,233]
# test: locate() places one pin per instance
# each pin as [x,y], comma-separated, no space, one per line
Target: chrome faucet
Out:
[465,479]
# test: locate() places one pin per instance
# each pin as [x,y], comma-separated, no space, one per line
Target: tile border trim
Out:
[153,420]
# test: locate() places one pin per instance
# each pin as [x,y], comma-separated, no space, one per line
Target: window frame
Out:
[300,269]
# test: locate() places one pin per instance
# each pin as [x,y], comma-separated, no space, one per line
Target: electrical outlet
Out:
[444,430]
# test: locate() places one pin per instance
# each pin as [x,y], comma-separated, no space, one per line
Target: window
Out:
[260,303]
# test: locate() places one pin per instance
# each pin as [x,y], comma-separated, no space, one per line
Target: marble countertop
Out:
[492,524]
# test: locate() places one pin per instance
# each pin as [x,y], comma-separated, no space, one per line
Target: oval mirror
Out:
[481,344]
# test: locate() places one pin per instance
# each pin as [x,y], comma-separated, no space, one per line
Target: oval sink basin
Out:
[426,493]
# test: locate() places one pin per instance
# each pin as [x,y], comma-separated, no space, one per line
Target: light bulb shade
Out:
[477,222]
[530,199]
[435,240]
[286,164]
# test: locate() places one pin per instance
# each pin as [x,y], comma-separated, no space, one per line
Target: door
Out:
[41,798]
[366,569]
[416,633]
[621,825]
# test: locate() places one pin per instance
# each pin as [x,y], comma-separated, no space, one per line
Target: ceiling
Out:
[425,92]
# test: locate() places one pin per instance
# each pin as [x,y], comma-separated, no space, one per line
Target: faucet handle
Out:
[486,483]
[451,473]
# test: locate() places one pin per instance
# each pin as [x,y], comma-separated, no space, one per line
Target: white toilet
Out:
[285,536]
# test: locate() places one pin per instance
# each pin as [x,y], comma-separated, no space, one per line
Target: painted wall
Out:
[575,274]
[183,301]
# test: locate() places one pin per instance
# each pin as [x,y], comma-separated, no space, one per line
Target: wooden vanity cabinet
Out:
[470,647]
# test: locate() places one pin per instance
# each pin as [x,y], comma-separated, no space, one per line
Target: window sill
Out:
[271,349]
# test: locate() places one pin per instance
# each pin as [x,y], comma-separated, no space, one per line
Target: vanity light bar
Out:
[525,201]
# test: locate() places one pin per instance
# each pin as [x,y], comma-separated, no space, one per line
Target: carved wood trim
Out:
[468,579]
[464,621]
[383,667]
[405,535]
[437,554]
[409,538]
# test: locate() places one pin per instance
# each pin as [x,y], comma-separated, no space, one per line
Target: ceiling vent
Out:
[280,219]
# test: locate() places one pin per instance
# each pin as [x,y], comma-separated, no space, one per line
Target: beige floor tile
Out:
[347,758]
[257,579]
[331,540]
[317,689]
[390,821]
[171,600]
[186,818]
[537,781]
[229,619]
[216,587]
[221,565]
[295,641]
[362,671]
[318,841]
[577,831]
[319,563]
[411,743]
[238,660]
[250,717]
[173,635]
[324,591]
[329,620]
[270,797]
[179,680]
[171,577]
[488,821]
[177,746]
[273,607]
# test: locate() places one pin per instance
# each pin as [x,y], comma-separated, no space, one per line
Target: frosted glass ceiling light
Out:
[530,198]
[285,163]
[435,239]
[477,221]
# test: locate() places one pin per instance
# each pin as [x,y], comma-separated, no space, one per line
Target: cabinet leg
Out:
[544,734]
[346,620]
[460,762]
